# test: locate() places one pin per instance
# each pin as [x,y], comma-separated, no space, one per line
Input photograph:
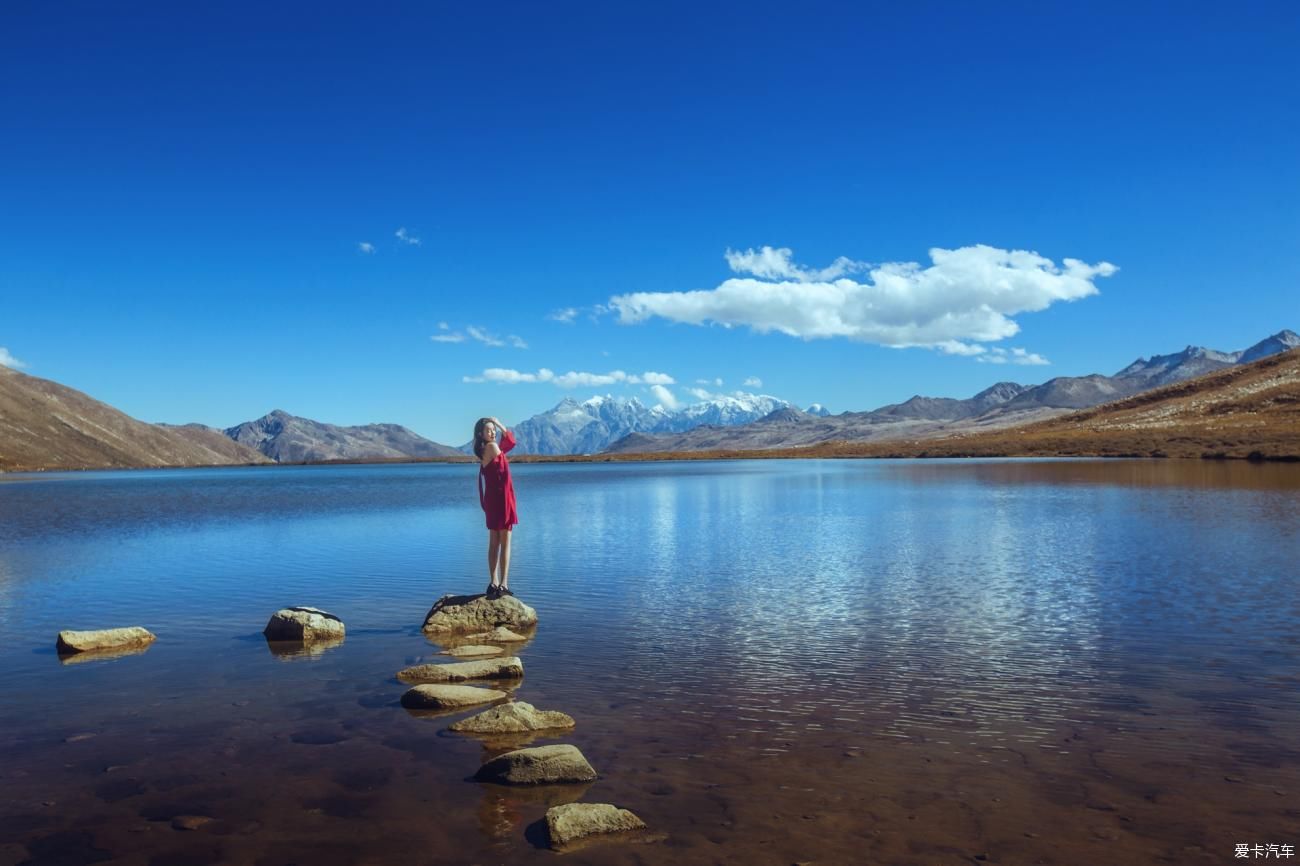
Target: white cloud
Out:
[510,377]
[968,295]
[483,336]
[366,247]
[565,315]
[753,382]
[406,237]
[699,393]
[8,360]
[776,264]
[665,397]
[998,355]
[571,379]
[584,380]
[715,382]
[475,333]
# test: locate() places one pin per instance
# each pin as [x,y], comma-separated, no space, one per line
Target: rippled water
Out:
[769,661]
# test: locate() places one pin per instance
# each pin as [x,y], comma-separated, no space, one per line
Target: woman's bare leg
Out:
[494,550]
[505,559]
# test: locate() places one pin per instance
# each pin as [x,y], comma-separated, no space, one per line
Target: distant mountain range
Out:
[592,425]
[287,438]
[45,425]
[1005,404]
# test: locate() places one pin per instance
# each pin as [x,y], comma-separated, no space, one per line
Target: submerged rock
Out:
[486,669]
[478,613]
[540,765]
[104,639]
[501,634]
[442,697]
[583,822]
[513,718]
[190,822]
[472,650]
[303,624]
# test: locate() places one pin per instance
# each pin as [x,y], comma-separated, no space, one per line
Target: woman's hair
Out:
[480,436]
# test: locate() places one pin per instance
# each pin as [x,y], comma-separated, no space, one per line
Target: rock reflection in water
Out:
[102,655]
[296,650]
[503,813]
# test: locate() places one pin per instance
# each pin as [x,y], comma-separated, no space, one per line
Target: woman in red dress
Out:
[496,494]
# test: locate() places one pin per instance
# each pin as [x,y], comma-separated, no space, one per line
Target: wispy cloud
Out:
[572,379]
[481,335]
[565,315]
[406,237]
[753,382]
[965,296]
[366,248]
[665,397]
[8,360]
[717,383]
[998,355]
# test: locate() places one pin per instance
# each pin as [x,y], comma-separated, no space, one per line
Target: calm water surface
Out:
[769,661]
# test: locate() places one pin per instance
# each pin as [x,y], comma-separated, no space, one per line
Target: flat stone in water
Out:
[541,765]
[585,822]
[443,697]
[487,669]
[103,639]
[516,717]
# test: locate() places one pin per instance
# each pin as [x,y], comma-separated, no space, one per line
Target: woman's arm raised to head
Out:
[507,438]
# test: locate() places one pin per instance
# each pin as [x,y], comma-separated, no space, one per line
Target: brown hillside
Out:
[45,425]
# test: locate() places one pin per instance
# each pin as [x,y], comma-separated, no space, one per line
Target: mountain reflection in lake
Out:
[769,661]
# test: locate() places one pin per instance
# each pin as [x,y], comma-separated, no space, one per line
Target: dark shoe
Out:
[505,590]
[493,592]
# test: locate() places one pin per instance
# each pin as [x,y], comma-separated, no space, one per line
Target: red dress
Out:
[496,493]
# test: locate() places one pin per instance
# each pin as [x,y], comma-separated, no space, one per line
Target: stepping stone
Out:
[541,765]
[587,822]
[472,650]
[487,669]
[442,697]
[103,639]
[477,613]
[304,624]
[513,718]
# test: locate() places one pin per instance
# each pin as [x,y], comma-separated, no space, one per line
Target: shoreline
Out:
[844,451]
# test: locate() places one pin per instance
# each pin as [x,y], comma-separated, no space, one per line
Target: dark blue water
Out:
[841,661]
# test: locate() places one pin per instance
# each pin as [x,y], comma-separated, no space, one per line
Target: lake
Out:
[904,662]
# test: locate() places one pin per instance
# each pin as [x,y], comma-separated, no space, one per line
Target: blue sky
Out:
[184,192]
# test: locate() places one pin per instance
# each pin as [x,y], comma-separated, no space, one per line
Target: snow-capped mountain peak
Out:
[573,427]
